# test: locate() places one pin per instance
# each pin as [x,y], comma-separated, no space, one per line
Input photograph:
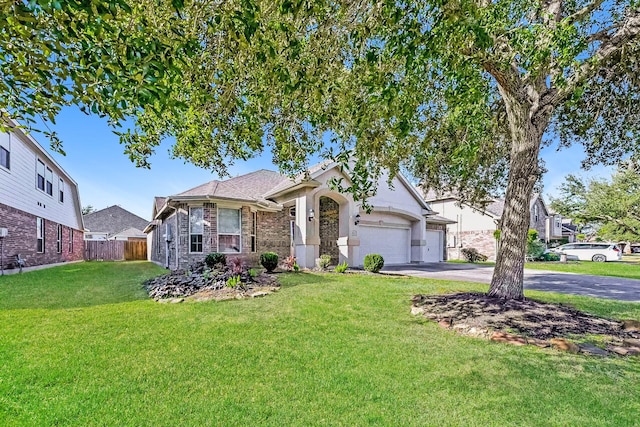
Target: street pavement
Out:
[552,281]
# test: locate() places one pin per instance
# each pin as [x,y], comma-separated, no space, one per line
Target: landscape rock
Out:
[593,350]
[621,351]
[201,283]
[508,338]
[564,345]
[631,325]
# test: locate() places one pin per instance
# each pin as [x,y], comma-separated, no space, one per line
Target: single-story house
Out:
[303,217]
[114,223]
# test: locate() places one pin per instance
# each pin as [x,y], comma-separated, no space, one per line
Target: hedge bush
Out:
[373,262]
[472,255]
[269,260]
[215,258]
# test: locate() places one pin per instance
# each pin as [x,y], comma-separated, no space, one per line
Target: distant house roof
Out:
[113,220]
[131,232]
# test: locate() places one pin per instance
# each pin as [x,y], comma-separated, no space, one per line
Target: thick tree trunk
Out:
[507,280]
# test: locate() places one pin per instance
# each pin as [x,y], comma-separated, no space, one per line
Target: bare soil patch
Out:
[530,322]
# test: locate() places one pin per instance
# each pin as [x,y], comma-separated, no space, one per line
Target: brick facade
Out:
[272,235]
[329,228]
[22,240]
[483,241]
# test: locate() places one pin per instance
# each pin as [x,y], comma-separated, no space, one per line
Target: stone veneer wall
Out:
[483,241]
[22,240]
[329,228]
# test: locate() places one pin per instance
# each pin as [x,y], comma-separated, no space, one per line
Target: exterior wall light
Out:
[357,219]
[312,214]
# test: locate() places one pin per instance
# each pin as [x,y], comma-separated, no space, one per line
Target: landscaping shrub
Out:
[535,250]
[324,261]
[269,260]
[373,262]
[550,256]
[215,258]
[472,255]
[341,268]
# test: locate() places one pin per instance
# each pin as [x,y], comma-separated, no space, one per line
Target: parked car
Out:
[597,252]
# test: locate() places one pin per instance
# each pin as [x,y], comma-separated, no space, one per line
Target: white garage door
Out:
[393,244]
[434,246]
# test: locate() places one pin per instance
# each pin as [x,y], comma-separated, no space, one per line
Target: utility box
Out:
[4,232]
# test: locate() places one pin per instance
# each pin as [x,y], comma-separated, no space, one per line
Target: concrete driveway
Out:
[553,281]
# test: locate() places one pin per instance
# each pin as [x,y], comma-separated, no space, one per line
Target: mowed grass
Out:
[325,350]
[629,270]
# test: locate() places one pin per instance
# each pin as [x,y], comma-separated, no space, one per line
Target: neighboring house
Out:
[39,204]
[475,226]
[114,223]
[554,229]
[266,211]
[569,230]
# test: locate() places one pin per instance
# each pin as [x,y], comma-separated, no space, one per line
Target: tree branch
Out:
[629,31]
[578,15]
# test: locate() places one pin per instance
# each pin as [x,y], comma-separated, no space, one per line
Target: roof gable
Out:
[113,220]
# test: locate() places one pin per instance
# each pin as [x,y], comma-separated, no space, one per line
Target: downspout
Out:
[167,241]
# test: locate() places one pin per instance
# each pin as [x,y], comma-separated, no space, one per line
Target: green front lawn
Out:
[615,269]
[80,345]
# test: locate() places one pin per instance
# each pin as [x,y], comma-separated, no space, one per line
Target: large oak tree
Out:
[461,94]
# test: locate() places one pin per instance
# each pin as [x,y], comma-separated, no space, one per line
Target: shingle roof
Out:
[131,232]
[251,186]
[113,220]
[496,207]
[158,202]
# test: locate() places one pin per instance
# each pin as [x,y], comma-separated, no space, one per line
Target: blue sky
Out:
[106,176]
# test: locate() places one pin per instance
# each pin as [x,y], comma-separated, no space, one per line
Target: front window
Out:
[229,229]
[40,175]
[5,150]
[61,191]
[196,229]
[70,240]
[535,213]
[49,177]
[40,234]
[254,228]
[59,239]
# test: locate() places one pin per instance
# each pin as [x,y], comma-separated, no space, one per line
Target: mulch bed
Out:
[530,322]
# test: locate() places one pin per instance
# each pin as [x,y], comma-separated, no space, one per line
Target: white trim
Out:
[7,146]
[40,234]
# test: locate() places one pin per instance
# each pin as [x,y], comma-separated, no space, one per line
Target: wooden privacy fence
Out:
[114,250]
